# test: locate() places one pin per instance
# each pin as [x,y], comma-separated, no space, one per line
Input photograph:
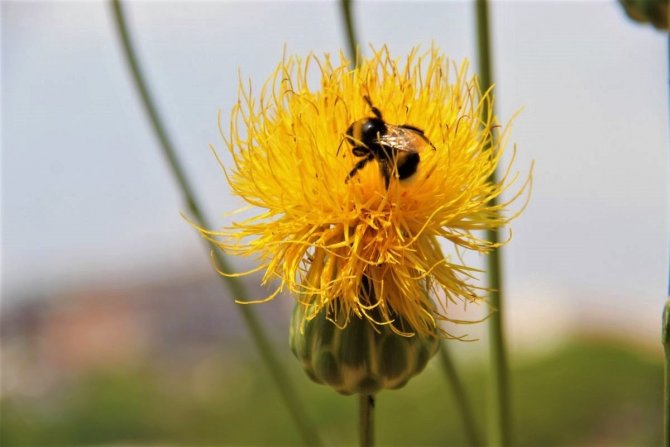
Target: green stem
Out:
[366,402]
[236,288]
[460,396]
[499,427]
[366,421]
[665,339]
[349,26]
[449,368]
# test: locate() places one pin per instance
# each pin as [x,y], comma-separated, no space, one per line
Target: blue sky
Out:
[86,196]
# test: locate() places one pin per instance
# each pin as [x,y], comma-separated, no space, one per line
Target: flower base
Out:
[360,358]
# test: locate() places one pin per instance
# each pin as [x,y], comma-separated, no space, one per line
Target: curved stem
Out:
[460,395]
[366,421]
[499,427]
[236,288]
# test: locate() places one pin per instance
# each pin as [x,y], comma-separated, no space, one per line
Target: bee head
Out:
[366,131]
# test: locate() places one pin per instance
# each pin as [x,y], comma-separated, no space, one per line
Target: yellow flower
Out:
[358,247]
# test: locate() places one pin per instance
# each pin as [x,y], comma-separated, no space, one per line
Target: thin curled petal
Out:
[357,247]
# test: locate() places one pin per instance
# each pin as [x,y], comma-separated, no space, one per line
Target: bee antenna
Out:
[375,110]
[339,147]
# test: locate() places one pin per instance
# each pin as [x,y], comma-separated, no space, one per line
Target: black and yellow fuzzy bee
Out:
[396,148]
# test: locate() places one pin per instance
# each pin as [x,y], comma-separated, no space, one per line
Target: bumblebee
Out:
[396,148]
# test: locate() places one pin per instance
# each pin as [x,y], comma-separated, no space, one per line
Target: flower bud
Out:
[654,11]
[360,358]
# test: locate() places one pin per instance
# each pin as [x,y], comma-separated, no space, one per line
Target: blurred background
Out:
[114,328]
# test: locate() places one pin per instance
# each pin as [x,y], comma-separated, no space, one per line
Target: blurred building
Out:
[176,322]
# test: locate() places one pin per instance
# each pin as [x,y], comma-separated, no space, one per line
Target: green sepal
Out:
[361,358]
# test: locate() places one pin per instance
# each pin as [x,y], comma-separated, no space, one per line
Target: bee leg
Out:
[361,151]
[375,110]
[358,166]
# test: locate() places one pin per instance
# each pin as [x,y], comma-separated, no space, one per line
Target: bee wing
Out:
[402,139]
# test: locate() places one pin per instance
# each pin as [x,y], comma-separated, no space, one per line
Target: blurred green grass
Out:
[588,392]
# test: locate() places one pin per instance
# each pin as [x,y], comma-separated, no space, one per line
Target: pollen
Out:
[357,247]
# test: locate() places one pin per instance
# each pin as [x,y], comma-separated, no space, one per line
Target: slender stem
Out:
[460,396]
[449,368]
[665,339]
[366,402]
[366,421]
[236,288]
[483,43]
[349,27]
[499,427]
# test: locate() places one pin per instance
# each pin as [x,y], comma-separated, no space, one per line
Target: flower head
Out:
[349,242]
